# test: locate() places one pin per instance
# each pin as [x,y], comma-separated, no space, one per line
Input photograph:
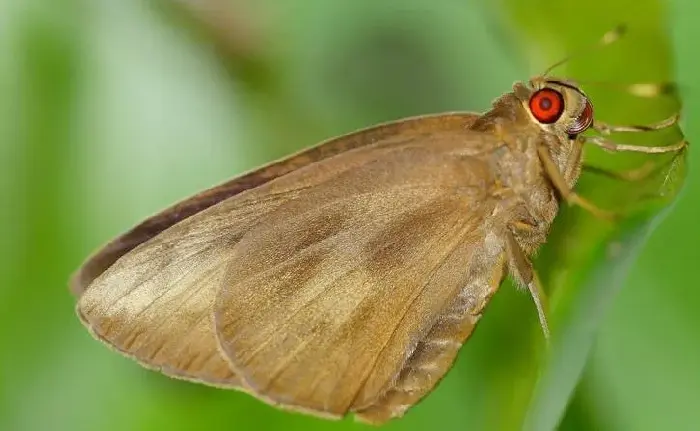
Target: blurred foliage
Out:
[112,110]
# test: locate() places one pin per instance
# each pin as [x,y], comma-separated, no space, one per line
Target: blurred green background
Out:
[112,110]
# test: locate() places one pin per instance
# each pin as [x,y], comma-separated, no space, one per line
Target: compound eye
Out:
[583,121]
[547,105]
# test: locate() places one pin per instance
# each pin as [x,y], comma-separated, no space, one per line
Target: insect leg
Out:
[565,191]
[614,146]
[573,165]
[606,129]
[521,269]
[649,167]
[642,90]
[635,174]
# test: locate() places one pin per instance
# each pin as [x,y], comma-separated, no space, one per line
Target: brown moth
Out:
[345,278]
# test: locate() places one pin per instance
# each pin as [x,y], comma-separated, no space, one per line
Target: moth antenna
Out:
[608,38]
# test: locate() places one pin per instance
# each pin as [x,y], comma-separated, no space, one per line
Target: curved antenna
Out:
[608,38]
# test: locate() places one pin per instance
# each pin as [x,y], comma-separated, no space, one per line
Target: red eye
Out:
[547,105]
[583,121]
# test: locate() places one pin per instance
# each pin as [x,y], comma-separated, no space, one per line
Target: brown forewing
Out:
[332,279]
[152,226]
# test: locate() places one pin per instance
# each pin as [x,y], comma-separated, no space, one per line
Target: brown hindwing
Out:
[435,354]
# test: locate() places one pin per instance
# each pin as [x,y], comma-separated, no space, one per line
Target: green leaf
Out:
[585,262]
